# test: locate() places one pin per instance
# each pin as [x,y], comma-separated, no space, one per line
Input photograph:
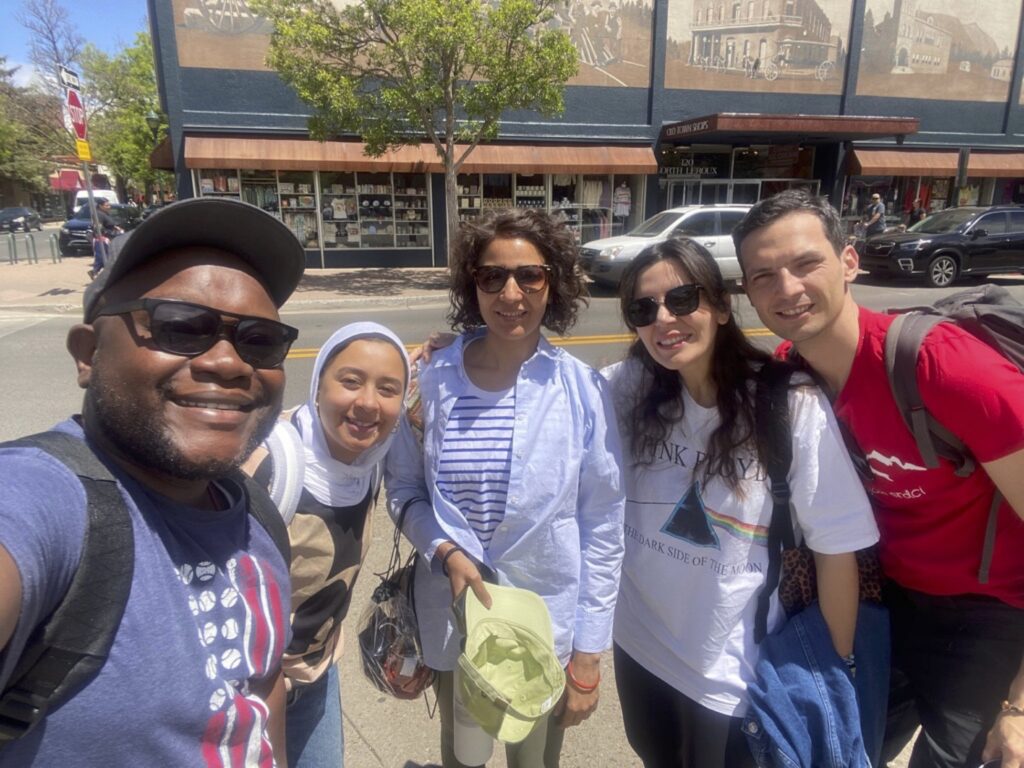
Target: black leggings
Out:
[668,730]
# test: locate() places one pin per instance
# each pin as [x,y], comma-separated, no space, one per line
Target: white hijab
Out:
[334,482]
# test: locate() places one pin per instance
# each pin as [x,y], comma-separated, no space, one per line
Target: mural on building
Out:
[779,46]
[613,37]
[950,49]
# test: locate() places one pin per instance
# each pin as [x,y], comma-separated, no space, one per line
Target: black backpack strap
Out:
[775,447]
[263,509]
[902,346]
[72,644]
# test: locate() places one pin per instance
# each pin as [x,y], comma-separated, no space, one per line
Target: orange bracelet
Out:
[581,687]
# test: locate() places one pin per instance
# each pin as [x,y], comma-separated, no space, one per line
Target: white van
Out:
[82,197]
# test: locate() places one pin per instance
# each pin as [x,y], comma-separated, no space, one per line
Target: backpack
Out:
[990,314]
[72,644]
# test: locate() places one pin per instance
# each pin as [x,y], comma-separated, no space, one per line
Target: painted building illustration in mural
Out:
[613,37]
[953,49]
[747,45]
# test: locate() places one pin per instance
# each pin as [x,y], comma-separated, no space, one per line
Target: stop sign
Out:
[77,113]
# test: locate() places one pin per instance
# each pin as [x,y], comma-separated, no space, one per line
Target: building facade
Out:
[675,102]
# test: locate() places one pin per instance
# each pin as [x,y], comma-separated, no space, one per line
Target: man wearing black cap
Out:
[180,356]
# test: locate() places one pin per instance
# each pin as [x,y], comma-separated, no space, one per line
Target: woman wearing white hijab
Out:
[336,441]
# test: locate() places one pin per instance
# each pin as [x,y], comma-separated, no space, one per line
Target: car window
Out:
[1016,221]
[993,224]
[655,225]
[700,224]
[939,223]
[730,220]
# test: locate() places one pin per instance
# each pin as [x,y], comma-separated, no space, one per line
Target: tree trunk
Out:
[451,195]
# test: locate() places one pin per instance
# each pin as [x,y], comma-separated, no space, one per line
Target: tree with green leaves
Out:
[31,131]
[400,72]
[122,92]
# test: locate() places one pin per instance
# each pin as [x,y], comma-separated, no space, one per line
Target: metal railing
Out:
[31,255]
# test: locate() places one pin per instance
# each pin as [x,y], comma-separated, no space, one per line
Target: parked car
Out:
[25,219]
[710,225]
[951,243]
[76,234]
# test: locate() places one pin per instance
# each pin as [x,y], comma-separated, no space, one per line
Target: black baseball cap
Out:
[244,230]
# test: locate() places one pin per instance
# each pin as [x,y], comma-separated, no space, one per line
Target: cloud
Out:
[25,74]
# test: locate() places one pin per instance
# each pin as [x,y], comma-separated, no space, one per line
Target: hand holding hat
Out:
[462,572]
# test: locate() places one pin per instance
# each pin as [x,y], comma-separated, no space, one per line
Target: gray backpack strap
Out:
[902,346]
[72,644]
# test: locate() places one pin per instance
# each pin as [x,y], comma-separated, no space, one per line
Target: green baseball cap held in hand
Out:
[510,677]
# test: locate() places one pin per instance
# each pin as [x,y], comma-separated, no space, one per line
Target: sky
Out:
[108,24]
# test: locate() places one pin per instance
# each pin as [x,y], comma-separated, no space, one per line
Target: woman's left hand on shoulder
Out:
[579,701]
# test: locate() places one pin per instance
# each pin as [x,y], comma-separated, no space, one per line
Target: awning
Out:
[67,180]
[900,162]
[162,158]
[756,128]
[996,165]
[941,162]
[305,155]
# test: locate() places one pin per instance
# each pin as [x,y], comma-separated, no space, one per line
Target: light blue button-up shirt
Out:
[562,535]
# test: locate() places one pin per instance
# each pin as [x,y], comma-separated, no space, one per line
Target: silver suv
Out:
[710,225]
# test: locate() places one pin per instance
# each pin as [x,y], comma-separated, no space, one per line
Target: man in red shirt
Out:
[958,644]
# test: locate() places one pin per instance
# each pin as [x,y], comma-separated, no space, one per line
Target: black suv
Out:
[950,243]
[76,234]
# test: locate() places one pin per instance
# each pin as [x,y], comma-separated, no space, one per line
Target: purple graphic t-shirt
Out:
[206,621]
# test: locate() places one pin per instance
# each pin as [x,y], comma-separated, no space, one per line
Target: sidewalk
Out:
[57,288]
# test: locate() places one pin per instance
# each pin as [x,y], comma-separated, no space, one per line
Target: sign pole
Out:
[76,114]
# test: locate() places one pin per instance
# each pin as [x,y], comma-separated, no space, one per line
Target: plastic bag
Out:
[389,636]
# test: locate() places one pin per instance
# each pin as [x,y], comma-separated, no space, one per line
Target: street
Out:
[38,382]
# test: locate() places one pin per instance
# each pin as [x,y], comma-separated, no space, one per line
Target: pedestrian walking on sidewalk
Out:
[101,237]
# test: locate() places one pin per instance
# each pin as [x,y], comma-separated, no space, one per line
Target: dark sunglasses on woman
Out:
[530,278]
[182,328]
[681,300]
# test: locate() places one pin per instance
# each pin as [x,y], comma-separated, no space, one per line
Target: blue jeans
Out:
[100,254]
[313,727]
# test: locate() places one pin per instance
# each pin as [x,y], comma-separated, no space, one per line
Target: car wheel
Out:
[942,271]
[28,227]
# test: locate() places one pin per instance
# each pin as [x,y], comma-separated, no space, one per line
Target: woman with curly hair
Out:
[697,512]
[516,478]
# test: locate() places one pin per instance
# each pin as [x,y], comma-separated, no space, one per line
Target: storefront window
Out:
[298,206]
[259,188]
[469,195]
[497,191]
[627,191]
[531,191]
[376,217]
[339,219]
[412,211]
[219,183]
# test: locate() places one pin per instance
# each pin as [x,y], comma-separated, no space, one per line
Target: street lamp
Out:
[153,121]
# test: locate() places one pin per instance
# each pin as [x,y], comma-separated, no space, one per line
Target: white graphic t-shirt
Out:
[696,553]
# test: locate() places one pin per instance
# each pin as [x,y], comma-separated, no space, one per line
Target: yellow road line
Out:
[571,341]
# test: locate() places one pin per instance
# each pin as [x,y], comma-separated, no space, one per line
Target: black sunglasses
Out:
[181,328]
[530,278]
[681,300]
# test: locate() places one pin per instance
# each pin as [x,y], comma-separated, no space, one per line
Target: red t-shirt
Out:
[932,523]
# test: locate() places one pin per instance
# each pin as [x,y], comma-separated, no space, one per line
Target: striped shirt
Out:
[476,456]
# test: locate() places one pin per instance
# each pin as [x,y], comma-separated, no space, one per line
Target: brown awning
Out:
[515,158]
[162,158]
[996,165]
[900,162]
[738,128]
[306,155]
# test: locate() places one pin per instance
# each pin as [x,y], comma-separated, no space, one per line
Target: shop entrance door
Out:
[745,192]
[714,192]
[682,193]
